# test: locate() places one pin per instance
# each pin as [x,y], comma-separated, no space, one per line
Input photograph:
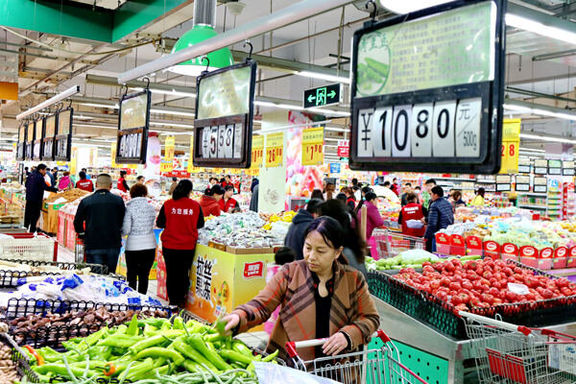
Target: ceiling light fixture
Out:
[51,101]
[170,112]
[539,28]
[172,125]
[550,139]
[403,7]
[168,92]
[98,105]
[292,107]
[523,107]
[323,76]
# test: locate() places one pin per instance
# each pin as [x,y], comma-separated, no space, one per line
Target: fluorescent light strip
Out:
[98,105]
[172,125]
[540,29]
[323,76]
[539,111]
[291,107]
[175,113]
[173,92]
[547,138]
[532,150]
[335,129]
[51,101]
[95,126]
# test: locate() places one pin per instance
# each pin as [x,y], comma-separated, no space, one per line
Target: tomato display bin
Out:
[535,262]
[559,262]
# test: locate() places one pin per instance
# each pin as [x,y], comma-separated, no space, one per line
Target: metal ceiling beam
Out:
[535,94]
[554,55]
[288,15]
[546,19]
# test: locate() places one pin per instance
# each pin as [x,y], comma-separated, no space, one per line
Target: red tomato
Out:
[428,268]
[547,294]
[487,298]
[466,284]
[455,287]
[455,300]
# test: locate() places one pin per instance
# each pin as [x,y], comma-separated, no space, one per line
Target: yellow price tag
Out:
[274,150]
[191,167]
[510,146]
[257,151]
[313,146]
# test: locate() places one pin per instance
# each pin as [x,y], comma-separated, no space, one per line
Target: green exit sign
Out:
[318,97]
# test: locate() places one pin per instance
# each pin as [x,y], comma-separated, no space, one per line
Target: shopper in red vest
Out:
[411,217]
[228,203]
[181,217]
[209,201]
[84,184]
[122,184]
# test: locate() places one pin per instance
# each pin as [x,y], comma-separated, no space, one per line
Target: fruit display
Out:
[518,231]
[68,195]
[486,214]
[414,258]
[484,283]
[148,349]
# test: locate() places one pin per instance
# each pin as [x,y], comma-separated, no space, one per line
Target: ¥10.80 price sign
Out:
[427,90]
[274,150]
[313,146]
[442,129]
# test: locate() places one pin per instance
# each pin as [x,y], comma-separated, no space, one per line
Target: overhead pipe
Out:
[291,14]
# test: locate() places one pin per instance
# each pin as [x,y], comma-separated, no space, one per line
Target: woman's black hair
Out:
[122,173]
[317,194]
[337,210]
[228,187]
[183,189]
[366,189]
[370,196]
[284,255]
[481,191]
[215,190]
[331,231]
[342,197]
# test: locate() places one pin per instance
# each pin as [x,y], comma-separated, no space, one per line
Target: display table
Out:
[222,280]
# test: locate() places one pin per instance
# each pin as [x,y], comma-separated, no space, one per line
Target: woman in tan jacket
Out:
[320,297]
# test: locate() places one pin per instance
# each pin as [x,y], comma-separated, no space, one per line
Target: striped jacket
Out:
[352,311]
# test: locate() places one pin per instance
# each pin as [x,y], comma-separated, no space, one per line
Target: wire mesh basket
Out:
[390,243]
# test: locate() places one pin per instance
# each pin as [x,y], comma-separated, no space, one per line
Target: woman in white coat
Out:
[141,242]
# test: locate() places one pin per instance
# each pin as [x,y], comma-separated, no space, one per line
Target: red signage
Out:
[561,252]
[252,270]
[442,238]
[343,148]
[528,251]
[492,249]
[473,242]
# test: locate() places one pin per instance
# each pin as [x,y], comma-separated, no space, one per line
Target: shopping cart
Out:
[390,243]
[29,246]
[370,366]
[508,353]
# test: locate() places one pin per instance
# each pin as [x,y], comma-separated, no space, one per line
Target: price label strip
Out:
[568,168]
[313,146]
[522,184]
[541,167]
[555,167]
[503,183]
[274,150]
[540,185]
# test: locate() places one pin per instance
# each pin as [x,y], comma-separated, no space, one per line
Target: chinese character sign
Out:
[204,277]
[510,145]
[257,151]
[167,164]
[313,146]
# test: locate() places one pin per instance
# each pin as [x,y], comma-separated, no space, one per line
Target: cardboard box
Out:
[249,251]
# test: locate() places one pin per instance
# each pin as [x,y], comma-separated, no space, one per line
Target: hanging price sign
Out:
[555,167]
[63,145]
[510,146]
[503,183]
[313,146]
[568,168]
[427,90]
[524,165]
[167,164]
[133,123]
[522,183]
[274,150]
[257,151]
[540,185]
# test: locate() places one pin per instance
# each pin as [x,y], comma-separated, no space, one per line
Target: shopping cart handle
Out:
[383,336]
[292,346]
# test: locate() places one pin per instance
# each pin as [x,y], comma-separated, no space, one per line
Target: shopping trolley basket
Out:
[508,353]
[370,366]
[390,244]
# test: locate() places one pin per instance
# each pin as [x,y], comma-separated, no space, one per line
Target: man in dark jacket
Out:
[440,216]
[99,222]
[35,187]
[295,236]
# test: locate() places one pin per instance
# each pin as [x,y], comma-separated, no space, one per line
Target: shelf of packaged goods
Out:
[485,182]
[532,194]
[459,179]
[528,206]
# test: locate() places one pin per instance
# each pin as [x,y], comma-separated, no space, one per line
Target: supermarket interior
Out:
[275,191]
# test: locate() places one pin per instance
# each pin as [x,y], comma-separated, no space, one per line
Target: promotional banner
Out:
[510,146]
[151,169]
[274,150]
[257,151]
[313,146]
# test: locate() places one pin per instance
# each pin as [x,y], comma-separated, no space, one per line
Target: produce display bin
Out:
[440,315]
[220,281]
[28,246]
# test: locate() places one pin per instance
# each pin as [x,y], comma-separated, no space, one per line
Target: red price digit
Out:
[503,149]
[512,150]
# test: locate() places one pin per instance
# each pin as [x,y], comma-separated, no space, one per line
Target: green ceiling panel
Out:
[81,21]
[135,14]
[57,17]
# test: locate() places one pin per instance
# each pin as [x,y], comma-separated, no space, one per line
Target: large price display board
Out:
[48,139]
[63,138]
[224,117]
[21,147]
[38,137]
[133,123]
[427,90]
[29,140]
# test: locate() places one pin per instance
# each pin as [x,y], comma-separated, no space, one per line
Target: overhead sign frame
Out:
[486,96]
[224,141]
[21,147]
[30,130]
[63,138]
[132,139]
[38,140]
[48,142]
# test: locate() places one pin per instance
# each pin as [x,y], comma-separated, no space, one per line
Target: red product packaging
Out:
[560,258]
[473,245]
[492,249]
[443,244]
[458,245]
[571,262]
[509,251]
